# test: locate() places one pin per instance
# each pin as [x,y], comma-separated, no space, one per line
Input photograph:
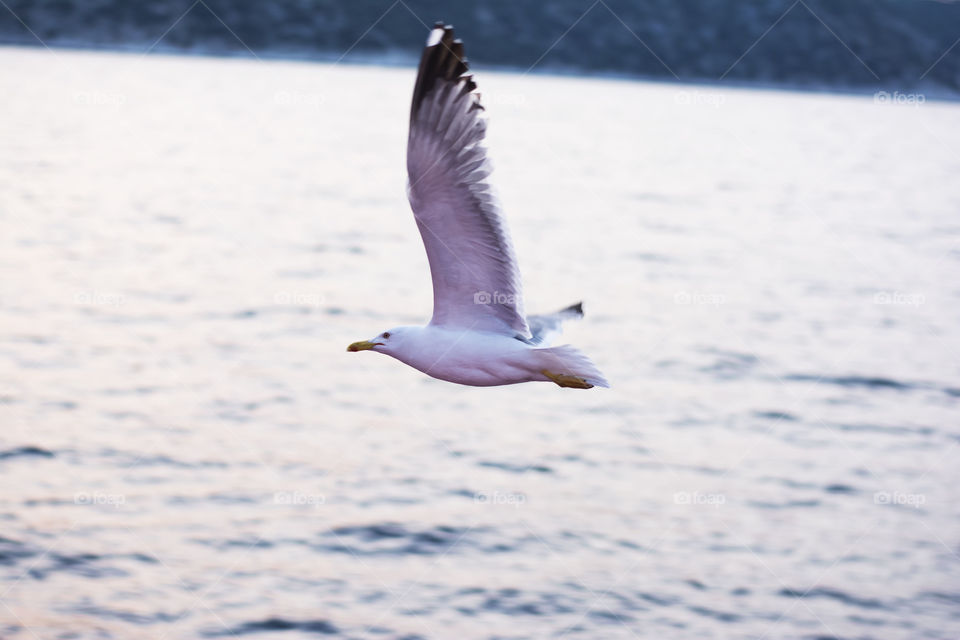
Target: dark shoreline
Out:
[819,45]
[400,60]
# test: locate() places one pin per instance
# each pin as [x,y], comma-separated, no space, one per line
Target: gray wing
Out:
[476,282]
[544,329]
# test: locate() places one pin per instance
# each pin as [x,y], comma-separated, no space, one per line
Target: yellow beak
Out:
[363,345]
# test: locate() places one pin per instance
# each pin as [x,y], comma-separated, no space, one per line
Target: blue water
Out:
[187,246]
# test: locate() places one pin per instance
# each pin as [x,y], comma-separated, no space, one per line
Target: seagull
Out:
[479,334]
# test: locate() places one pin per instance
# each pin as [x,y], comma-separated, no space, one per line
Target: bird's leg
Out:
[565,380]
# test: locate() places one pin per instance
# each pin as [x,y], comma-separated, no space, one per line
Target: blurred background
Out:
[900,44]
[202,203]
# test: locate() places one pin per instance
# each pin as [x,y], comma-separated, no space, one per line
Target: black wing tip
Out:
[443,26]
[575,308]
[443,59]
[445,38]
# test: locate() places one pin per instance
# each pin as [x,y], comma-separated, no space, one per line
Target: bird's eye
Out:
[386,334]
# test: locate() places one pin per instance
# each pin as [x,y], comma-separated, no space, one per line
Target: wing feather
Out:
[476,282]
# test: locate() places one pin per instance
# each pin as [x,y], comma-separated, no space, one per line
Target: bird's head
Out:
[386,342]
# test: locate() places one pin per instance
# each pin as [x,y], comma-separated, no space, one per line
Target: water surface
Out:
[187,245]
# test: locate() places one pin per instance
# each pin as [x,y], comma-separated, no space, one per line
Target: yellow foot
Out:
[565,380]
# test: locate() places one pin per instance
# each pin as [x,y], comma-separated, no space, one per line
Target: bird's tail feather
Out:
[568,360]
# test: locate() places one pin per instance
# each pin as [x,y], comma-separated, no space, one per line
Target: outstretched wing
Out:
[476,283]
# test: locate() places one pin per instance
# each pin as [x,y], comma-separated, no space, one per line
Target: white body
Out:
[480,358]
[483,359]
